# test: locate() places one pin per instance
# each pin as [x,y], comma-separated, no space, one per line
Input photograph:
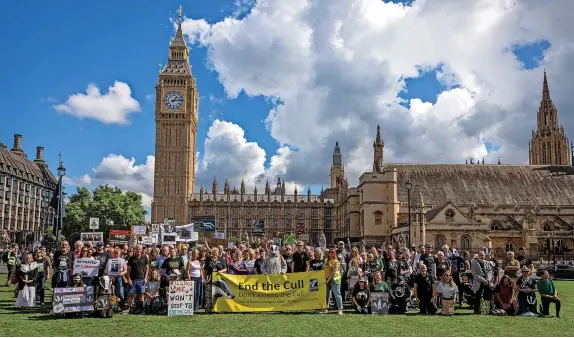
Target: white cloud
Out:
[336,68]
[124,173]
[113,107]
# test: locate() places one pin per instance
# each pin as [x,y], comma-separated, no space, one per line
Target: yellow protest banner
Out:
[260,293]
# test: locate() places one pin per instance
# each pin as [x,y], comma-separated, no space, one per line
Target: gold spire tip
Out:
[180,12]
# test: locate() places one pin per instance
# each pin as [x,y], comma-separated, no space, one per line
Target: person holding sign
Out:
[42,264]
[333,280]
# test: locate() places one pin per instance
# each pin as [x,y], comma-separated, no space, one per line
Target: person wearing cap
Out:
[361,297]
[527,288]
[102,256]
[300,258]
[428,259]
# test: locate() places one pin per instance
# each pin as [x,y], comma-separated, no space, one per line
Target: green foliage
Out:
[50,240]
[115,209]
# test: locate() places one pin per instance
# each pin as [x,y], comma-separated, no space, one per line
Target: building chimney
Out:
[39,154]
[17,142]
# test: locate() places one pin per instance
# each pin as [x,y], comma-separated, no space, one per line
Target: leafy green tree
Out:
[115,208]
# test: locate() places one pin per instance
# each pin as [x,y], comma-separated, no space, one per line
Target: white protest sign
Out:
[94,223]
[114,267]
[219,235]
[155,228]
[169,238]
[86,267]
[180,302]
[147,240]
[139,230]
[185,233]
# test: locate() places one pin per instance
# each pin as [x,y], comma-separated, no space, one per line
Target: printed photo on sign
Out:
[169,238]
[139,230]
[93,237]
[114,267]
[379,303]
[86,267]
[94,223]
[258,227]
[119,237]
[206,224]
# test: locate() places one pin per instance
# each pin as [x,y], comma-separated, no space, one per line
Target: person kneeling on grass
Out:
[361,296]
[548,294]
[448,290]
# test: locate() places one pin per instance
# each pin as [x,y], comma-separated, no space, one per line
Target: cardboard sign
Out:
[180,298]
[219,235]
[68,300]
[169,238]
[379,303]
[93,237]
[139,230]
[86,267]
[186,233]
[114,267]
[147,240]
[94,223]
[155,228]
[277,241]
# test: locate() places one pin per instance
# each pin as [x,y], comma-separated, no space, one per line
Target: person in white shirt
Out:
[448,290]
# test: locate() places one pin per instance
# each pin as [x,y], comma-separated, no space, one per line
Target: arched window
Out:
[439,241]
[495,225]
[378,217]
[449,214]
[465,243]
[509,247]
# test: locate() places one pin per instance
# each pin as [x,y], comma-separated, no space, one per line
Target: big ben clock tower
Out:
[176,128]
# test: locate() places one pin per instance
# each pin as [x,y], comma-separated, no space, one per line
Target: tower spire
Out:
[545,89]
[378,140]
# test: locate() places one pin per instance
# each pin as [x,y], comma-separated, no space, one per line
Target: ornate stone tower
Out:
[549,144]
[176,117]
[378,147]
[337,167]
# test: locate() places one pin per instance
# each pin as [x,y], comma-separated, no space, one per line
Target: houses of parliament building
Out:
[466,206]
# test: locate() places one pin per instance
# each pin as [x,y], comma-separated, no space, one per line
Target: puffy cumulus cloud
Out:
[229,155]
[112,107]
[122,172]
[336,68]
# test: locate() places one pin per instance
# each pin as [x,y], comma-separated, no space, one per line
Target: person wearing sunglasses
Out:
[448,290]
[333,280]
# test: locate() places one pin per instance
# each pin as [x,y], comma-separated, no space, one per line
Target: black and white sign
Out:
[258,228]
[93,237]
[94,223]
[155,228]
[379,303]
[169,238]
[206,224]
[180,302]
[67,300]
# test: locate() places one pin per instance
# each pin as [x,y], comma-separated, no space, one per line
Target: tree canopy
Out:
[115,208]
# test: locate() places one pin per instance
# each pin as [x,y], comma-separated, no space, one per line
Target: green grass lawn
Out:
[18,322]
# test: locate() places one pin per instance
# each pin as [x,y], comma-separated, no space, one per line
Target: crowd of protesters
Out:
[432,281]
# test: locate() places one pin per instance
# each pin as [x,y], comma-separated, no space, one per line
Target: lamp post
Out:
[61,174]
[409,186]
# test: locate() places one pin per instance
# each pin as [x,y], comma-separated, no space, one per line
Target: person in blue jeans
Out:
[41,280]
[333,279]
[138,274]
[196,274]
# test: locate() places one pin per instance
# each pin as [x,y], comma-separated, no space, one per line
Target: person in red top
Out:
[504,296]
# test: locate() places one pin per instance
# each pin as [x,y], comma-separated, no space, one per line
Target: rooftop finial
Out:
[545,89]
[378,140]
[180,13]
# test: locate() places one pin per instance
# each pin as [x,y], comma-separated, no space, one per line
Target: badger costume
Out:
[274,263]
[27,291]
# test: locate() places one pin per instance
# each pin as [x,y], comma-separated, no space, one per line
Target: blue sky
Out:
[54,49]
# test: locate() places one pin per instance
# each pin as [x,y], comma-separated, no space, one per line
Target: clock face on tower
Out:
[173,100]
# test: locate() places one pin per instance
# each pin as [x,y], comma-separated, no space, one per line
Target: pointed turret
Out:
[214,187]
[337,168]
[378,146]
[242,187]
[178,60]
[378,139]
[337,156]
[226,189]
[255,193]
[309,194]
[267,188]
[283,187]
[201,193]
[545,89]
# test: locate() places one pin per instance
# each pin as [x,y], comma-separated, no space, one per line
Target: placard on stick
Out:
[180,301]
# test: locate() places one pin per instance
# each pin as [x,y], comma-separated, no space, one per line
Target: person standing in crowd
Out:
[372,266]
[138,274]
[425,290]
[354,273]
[317,263]
[164,254]
[504,296]
[527,289]
[42,266]
[442,265]
[259,261]
[525,260]
[511,266]
[495,267]
[447,289]
[27,275]
[102,257]
[153,259]
[481,280]
[63,261]
[12,262]
[183,252]
[300,258]
[392,269]
[172,262]
[548,294]
[361,297]
[78,249]
[288,257]
[250,262]
[428,259]
[458,265]
[237,265]
[116,267]
[333,280]
[195,274]
[213,264]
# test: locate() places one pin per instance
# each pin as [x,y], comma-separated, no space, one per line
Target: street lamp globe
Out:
[409,185]
[61,170]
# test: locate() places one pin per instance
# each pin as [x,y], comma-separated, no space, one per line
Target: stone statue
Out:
[471,213]
[402,241]
[529,219]
[246,237]
[322,241]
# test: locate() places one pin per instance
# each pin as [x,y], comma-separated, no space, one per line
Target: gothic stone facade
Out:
[26,190]
[467,206]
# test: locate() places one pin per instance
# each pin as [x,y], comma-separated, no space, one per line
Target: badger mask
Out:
[274,251]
